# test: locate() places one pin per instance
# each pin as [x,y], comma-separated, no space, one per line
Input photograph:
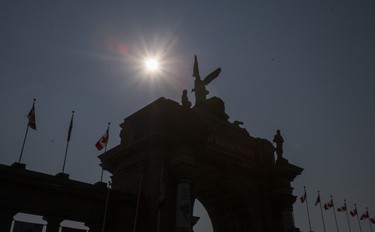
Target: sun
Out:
[151,64]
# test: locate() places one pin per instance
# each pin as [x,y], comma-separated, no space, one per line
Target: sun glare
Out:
[152,65]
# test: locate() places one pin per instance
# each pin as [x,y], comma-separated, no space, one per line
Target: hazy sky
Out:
[304,67]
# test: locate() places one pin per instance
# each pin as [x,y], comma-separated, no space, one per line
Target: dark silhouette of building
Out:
[169,155]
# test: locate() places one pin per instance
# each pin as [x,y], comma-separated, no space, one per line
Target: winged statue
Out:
[200,85]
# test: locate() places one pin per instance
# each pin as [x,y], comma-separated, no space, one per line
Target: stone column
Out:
[181,165]
[183,206]
[285,201]
[287,213]
[282,176]
[53,223]
[6,219]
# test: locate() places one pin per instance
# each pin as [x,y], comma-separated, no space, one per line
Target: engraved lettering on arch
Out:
[230,146]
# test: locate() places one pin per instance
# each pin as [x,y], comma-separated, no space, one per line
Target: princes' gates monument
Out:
[170,154]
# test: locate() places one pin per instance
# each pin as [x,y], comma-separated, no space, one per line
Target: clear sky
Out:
[305,67]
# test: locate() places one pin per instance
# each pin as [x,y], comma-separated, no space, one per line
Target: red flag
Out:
[70,127]
[364,215]
[31,117]
[342,208]
[372,220]
[317,200]
[303,197]
[102,142]
[328,205]
[144,203]
[161,202]
[353,212]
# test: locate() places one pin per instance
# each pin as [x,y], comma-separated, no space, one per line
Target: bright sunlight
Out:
[151,64]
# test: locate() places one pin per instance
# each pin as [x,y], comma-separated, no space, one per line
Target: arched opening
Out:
[204,223]
[227,201]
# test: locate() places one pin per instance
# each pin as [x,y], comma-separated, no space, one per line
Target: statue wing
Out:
[211,76]
[196,68]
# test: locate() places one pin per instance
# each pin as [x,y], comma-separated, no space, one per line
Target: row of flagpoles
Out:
[100,144]
[330,205]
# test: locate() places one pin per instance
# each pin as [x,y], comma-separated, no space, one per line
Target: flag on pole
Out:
[364,215]
[303,197]
[27,226]
[70,127]
[372,220]
[102,142]
[317,200]
[328,205]
[144,203]
[342,208]
[31,117]
[353,212]
[161,202]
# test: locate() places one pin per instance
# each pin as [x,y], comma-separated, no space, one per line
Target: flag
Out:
[31,117]
[144,203]
[353,212]
[68,229]
[102,142]
[328,205]
[27,227]
[303,197]
[364,215]
[372,220]
[317,200]
[70,127]
[342,208]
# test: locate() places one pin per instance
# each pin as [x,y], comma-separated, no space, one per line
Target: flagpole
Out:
[368,218]
[68,140]
[138,201]
[161,189]
[359,223]
[307,208]
[347,215]
[334,213]
[105,150]
[106,206]
[23,144]
[321,212]
[24,139]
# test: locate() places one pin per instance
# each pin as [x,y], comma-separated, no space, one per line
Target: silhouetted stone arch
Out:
[198,154]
